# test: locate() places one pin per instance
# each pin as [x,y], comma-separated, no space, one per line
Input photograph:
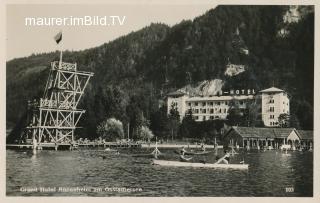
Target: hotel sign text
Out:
[240,92]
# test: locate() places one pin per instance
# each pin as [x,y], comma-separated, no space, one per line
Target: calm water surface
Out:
[269,174]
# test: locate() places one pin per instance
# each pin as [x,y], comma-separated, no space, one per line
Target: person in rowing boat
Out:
[182,151]
[203,148]
[225,159]
[182,157]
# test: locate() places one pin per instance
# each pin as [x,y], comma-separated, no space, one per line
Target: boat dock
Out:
[67,146]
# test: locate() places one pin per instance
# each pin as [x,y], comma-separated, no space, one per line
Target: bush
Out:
[145,133]
[111,129]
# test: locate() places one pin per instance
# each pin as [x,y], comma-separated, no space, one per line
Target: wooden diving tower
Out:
[53,119]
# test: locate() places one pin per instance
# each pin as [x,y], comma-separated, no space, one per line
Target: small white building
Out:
[274,103]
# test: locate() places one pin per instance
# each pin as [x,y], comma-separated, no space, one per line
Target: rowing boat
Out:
[195,153]
[146,155]
[199,165]
[183,158]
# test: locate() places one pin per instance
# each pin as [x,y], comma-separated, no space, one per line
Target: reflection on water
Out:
[269,174]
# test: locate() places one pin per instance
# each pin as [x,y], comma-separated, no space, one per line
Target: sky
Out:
[22,40]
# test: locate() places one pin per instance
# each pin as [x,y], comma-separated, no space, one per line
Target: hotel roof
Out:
[272,89]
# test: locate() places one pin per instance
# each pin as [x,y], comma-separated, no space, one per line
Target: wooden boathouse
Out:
[256,138]
[306,138]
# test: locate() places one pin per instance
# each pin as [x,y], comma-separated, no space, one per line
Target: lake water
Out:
[94,172]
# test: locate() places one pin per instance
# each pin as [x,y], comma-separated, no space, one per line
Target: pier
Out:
[67,146]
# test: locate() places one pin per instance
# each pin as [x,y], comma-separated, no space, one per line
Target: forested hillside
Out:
[134,72]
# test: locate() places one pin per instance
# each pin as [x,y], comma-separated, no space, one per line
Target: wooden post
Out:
[60,61]
[128,131]
[34,144]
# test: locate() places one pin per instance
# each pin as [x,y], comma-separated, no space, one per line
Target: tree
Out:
[235,115]
[145,133]
[254,117]
[294,122]
[111,129]
[188,126]
[283,120]
[174,121]
[136,115]
[159,122]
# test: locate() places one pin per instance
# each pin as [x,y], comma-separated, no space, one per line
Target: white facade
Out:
[179,102]
[274,103]
[206,107]
[215,107]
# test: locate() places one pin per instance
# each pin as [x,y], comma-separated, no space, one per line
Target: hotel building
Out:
[273,102]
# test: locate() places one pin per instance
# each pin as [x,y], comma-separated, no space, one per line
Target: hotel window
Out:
[271,109]
[197,117]
[272,101]
[211,117]
[189,104]
[203,103]
[218,103]
[211,110]
[211,103]
[225,110]
[271,116]
[270,123]
[241,102]
[197,110]
[196,103]
[219,110]
[226,103]
[204,111]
